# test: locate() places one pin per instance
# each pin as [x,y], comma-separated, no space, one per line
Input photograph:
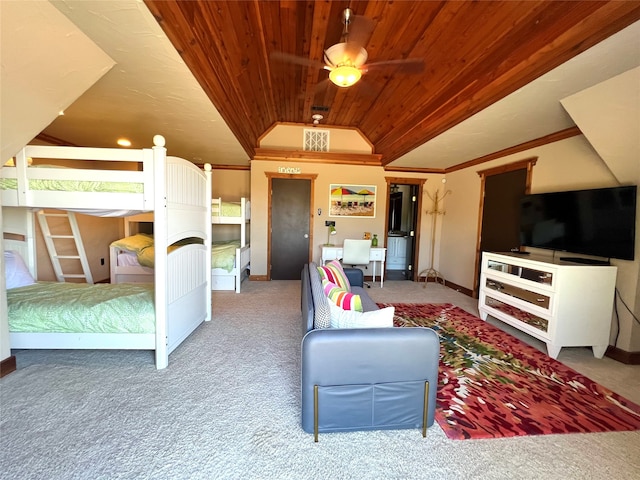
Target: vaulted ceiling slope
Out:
[475,53]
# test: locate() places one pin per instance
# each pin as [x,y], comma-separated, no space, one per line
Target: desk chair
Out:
[356,252]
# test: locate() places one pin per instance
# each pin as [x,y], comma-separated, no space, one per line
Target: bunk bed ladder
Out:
[50,239]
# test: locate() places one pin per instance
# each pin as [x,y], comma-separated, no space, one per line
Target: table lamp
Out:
[331,231]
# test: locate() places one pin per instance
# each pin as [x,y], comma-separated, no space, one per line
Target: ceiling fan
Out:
[346,60]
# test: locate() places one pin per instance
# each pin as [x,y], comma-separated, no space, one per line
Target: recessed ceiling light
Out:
[123,142]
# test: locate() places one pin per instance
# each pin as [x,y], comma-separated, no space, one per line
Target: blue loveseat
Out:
[363,378]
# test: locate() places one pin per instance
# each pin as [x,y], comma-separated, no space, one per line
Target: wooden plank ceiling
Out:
[474,53]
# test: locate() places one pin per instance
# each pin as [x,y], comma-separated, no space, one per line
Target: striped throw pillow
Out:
[334,273]
[342,298]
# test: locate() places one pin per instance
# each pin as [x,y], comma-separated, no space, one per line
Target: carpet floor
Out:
[493,385]
[228,407]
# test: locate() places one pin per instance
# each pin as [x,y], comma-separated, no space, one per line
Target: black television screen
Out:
[598,222]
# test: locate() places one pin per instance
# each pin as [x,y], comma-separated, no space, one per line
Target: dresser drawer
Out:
[534,298]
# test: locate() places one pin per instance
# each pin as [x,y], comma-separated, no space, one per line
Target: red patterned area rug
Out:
[492,384]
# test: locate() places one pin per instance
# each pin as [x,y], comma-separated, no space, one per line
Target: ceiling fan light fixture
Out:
[340,54]
[345,75]
[344,71]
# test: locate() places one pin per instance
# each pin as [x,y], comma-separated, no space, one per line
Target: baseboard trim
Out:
[459,288]
[258,278]
[622,356]
[7,366]
[451,285]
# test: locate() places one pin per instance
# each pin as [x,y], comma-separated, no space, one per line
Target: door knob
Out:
[306,235]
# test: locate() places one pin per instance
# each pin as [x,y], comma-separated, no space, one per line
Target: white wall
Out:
[346,227]
[292,137]
[565,165]
[608,114]
[47,63]
[326,174]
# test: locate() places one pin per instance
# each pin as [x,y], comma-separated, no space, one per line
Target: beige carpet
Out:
[227,407]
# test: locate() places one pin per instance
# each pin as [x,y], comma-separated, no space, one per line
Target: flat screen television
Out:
[597,222]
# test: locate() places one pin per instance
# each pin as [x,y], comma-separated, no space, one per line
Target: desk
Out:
[378,254]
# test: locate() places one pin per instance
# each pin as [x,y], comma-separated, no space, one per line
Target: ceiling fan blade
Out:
[405,65]
[295,59]
[357,33]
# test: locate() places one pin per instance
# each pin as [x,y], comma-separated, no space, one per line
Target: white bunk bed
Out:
[124,265]
[232,213]
[172,188]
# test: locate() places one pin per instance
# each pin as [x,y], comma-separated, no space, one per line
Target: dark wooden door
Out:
[501,211]
[290,217]
[500,228]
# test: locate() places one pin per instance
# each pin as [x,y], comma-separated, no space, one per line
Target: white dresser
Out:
[563,304]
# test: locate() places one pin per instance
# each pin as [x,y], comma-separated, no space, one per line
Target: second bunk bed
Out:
[231,258]
[131,261]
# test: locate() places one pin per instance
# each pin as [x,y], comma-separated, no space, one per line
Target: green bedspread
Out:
[82,308]
[74,186]
[223,254]
[230,209]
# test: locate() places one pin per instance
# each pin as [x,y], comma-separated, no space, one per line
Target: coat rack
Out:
[436,198]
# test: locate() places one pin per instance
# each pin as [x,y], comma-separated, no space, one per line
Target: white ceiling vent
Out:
[316,140]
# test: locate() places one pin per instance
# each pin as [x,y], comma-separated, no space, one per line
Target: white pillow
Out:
[341,318]
[16,272]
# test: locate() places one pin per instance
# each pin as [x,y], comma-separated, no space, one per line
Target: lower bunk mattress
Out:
[52,307]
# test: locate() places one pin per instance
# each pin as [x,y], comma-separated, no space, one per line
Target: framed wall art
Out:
[354,201]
